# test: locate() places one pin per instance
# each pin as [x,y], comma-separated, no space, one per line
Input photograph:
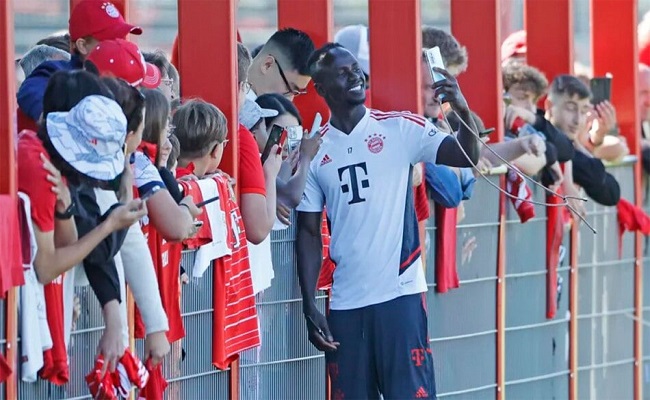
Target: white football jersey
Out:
[364,178]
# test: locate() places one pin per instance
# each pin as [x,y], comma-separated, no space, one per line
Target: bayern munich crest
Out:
[111,10]
[375,142]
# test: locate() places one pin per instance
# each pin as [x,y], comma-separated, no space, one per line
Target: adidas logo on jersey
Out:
[325,160]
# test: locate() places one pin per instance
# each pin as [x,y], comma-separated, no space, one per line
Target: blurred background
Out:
[257,19]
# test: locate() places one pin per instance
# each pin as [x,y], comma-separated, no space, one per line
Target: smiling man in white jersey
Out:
[375,335]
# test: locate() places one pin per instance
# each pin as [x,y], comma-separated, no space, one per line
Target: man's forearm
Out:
[466,136]
[308,249]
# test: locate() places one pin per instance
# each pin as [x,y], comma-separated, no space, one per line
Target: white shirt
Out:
[365,180]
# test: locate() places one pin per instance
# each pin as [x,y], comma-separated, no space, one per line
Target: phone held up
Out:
[294,136]
[277,136]
[601,89]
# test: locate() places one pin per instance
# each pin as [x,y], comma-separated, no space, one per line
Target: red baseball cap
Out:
[123,59]
[514,45]
[99,19]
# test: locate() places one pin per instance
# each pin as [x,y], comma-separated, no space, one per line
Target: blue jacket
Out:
[32,91]
[446,188]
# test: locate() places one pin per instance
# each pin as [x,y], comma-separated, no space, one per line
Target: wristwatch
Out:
[67,214]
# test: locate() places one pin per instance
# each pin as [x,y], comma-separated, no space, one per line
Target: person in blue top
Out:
[91,22]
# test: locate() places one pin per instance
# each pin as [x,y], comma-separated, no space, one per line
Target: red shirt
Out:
[32,180]
[166,260]
[251,174]
[234,325]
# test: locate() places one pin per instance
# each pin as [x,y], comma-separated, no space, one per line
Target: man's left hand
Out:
[605,122]
[448,91]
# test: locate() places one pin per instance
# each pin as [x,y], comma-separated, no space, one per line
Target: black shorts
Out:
[384,349]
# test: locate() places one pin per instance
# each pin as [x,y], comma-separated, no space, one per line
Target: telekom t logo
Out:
[417,355]
[354,181]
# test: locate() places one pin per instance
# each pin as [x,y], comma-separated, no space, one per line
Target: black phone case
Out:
[274,138]
[601,89]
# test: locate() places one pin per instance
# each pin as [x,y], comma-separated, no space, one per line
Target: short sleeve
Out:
[313,199]
[32,180]
[251,174]
[146,174]
[422,138]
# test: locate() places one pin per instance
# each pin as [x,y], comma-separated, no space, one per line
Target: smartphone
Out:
[208,201]
[294,136]
[601,89]
[277,136]
[434,59]
[315,127]
[150,193]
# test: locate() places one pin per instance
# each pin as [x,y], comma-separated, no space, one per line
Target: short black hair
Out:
[319,58]
[295,45]
[569,85]
[256,51]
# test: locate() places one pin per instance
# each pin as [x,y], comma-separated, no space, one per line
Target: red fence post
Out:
[614,49]
[212,76]
[556,33]
[395,54]
[314,17]
[477,25]
[8,177]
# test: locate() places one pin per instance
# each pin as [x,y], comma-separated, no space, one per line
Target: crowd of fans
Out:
[114,165]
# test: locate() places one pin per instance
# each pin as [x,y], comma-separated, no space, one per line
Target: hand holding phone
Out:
[277,136]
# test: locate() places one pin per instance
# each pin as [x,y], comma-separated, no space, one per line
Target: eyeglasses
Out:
[293,92]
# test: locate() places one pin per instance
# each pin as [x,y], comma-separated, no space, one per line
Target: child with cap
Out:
[91,21]
[122,59]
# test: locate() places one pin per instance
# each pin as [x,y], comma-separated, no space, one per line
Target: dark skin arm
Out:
[308,249]
[450,153]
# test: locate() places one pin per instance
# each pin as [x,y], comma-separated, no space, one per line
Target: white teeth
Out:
[356,88]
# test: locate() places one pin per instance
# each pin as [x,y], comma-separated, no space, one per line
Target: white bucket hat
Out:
[90,137]
[251,113]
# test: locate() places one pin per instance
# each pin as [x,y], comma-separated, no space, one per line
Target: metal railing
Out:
[463,323]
